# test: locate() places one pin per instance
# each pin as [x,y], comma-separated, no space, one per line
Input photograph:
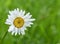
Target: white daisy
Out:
[18,21]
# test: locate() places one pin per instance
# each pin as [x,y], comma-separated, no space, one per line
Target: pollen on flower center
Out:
[18,22]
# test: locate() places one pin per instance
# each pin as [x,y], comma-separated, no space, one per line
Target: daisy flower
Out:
[18,20]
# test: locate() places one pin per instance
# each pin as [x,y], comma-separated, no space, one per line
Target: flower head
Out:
[18,21]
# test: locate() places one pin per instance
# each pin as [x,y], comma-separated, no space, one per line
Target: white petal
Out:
[18,9]
[27,15]
[11,17]
[30,16]
[28,24]
[23,28]
[13,32]
[17,12]
[29,20]
[21,13]
[16,31]
[11,28]
[11,12]
[8,22]
[22,32]
[19,31]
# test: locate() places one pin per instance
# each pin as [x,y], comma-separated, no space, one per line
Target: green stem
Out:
[4,36]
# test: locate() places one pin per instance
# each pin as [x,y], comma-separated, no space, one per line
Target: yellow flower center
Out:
[18,22]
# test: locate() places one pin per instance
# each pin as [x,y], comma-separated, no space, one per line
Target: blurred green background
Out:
[46,28]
